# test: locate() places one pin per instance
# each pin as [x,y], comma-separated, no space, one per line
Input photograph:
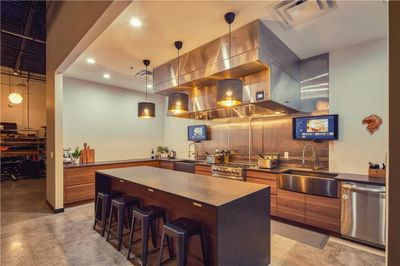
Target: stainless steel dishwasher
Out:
[363,213]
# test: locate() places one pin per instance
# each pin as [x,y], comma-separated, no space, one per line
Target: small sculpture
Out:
[373,123]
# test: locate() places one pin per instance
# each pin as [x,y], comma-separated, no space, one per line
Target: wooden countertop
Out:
[209,190]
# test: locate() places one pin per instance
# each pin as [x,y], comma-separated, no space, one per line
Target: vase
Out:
[76,160]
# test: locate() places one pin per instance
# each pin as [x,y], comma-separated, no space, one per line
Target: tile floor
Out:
[31,235]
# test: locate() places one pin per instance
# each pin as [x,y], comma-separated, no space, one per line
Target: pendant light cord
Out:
[146,83]
[178,70]
[230,47]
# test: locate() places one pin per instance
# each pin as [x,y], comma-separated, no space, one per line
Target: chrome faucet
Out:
[314,157]
[195,151]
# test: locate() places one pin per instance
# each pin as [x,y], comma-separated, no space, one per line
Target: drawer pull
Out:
[197,204]
[151,190]
[122,181]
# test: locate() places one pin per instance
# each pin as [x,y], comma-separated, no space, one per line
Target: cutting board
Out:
[87,154]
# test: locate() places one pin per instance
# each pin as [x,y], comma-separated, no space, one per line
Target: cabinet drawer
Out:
[167,165]
[273,205]
[291,205]
[262,175]
[80,175]
[198,172]
[323,212]
[79,193]
[268,182]
[203,168]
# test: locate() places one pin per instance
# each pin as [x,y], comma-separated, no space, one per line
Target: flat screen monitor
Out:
[197,133]
[324,127]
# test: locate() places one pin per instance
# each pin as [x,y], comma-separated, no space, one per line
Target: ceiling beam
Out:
[23,36]
[27,29]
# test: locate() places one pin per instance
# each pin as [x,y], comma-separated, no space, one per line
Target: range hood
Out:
[269,69]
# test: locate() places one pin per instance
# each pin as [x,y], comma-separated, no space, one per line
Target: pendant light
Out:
[178,103]
[229,91]
[15,97]
[146,109]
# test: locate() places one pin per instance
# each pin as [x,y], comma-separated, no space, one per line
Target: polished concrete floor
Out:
[31,235]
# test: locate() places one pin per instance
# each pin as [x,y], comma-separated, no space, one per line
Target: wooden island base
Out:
[235,214]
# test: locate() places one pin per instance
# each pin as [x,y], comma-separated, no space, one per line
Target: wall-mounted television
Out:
[323,127]
[197,133]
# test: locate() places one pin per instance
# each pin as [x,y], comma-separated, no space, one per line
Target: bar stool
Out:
[147,216]
[102,210]
[122,205]
[181,230]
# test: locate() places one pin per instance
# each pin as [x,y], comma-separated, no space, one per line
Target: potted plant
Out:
[162,151]
[76,154]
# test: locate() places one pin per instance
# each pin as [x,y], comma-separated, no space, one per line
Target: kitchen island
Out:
[235,214]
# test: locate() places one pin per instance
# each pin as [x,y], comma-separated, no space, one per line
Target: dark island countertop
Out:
[209,190]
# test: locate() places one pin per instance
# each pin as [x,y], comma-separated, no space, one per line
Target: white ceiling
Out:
[121,46]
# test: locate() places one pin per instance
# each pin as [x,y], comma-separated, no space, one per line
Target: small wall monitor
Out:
[197,133]
[324,127]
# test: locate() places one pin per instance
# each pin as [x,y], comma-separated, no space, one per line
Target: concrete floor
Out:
[31,235]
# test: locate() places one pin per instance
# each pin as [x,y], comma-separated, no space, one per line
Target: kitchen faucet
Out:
[195,151]
[314,157]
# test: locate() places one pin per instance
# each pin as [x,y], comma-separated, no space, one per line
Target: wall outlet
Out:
[286,155]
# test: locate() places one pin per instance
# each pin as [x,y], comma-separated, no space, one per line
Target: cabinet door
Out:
[202,170]
[268,182]
[323,212]
[291,205]
[167,165]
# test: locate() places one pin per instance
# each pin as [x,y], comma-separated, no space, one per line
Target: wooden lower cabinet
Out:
[317,211]
[265,179]
[202,170]
[323,212]
[273,205]
[167,165]
[291,205]
[79,181]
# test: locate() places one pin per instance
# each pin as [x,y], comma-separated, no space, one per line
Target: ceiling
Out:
[122,46]
[23,35]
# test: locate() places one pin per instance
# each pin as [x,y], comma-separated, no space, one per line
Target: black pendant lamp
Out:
[178,103]
[229,91]
[146,109]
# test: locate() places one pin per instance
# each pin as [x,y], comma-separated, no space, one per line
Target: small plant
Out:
[76,153]
[162,149]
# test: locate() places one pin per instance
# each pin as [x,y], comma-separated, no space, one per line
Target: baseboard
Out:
[55,211]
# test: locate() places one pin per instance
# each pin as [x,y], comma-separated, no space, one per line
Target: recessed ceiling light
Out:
[149,86]
[106,76]
[90,61]
[135,22]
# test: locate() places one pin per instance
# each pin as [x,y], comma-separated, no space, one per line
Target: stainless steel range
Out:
[234,171]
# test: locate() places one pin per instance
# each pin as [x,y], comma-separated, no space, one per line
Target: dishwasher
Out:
[363,213]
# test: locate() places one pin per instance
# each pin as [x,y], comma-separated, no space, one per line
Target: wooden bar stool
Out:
[102,209]
[147,216]
[121,205]
[181,230]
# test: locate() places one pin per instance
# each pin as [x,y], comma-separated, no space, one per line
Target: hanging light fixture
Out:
[229,91]
[178,103]
[146,109]
[15,97]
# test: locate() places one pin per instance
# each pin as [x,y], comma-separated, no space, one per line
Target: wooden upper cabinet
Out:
[291,205]
[323,212]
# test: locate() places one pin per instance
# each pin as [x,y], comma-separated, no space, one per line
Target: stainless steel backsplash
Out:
[251,136]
